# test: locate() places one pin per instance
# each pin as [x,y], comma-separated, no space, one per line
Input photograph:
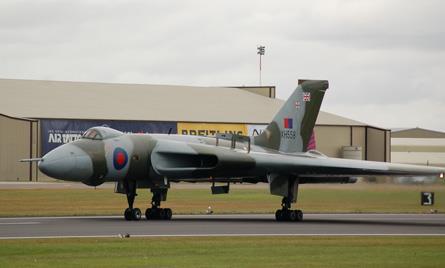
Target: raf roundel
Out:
[120,158]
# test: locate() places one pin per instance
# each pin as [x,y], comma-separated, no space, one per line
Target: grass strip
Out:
[353,199]
[226,252]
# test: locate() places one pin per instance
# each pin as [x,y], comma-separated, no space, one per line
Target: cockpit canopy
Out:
[101,133]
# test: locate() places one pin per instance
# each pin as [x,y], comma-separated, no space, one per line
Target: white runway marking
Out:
[17,223]
[205,235]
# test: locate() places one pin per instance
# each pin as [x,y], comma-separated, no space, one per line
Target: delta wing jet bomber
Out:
[278,156]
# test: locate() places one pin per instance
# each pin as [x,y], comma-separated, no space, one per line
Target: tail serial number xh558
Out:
[278,156]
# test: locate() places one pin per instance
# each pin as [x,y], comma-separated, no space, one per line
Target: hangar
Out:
[37,116]
[418,146]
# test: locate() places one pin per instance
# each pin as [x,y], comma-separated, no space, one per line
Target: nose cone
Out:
[67,162]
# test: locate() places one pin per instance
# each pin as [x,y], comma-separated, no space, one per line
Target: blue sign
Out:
[55,132]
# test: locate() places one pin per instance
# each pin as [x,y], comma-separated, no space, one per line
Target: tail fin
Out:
[291,129]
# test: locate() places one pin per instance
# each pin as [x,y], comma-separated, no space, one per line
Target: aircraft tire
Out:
[168,214]
[299,215]
[152,214]
[128,214]
[161,214]
[136,214]
[148,214]
[292,215]
[278,214]
[285,215]
[158,214]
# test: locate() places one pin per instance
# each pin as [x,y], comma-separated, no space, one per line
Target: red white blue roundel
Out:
[120,158]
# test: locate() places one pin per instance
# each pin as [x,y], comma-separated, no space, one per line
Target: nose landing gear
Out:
[131,214]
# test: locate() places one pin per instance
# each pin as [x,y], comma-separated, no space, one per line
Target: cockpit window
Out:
[92,134]
[101,133]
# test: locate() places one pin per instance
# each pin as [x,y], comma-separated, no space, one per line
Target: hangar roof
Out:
[417,133]
[86,100]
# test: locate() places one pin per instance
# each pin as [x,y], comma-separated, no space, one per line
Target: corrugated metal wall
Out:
[418,146]
[18,140]
[375,142]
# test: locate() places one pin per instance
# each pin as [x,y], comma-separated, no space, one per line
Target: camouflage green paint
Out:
[95,149]
[312,109]
[140,160]
[299,112]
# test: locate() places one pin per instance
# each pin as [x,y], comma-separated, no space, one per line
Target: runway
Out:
[224,225]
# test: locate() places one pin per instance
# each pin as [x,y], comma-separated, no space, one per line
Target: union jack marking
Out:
[297,105]
[306,96]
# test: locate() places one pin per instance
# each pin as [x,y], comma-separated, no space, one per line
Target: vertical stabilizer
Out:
[292,127]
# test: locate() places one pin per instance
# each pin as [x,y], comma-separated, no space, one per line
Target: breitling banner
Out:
[205,129]
[55,132]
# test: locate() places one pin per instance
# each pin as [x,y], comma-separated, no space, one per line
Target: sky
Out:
[384,59]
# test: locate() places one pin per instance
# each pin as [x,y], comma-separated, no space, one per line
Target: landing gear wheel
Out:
[168,214]
[299,215]
[148,214]
[152,214]
[161,214]
[288,215]
[292,215]
[128,214]
[284,215]
[278,215]
[158,214]
[136,214]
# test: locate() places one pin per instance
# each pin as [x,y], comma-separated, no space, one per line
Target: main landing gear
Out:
[153,213]
[286,214]
[287,187]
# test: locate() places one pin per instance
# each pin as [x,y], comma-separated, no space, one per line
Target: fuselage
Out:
[129,156]
[105,154]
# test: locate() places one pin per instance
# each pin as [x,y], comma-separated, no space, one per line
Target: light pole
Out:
[261,50]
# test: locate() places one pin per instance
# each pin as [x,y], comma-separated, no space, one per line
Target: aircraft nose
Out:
[67,162]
